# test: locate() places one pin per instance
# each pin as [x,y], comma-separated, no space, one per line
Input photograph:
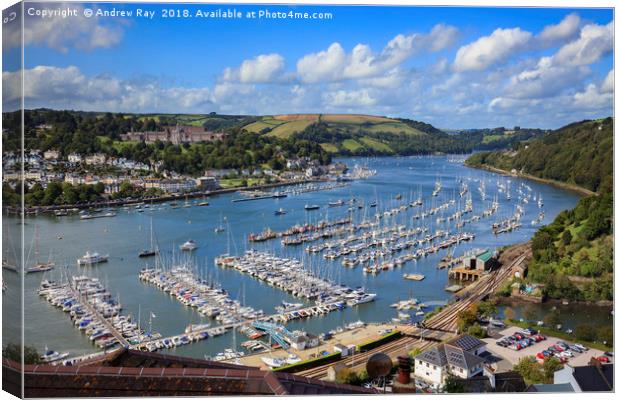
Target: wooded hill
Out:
[573,256]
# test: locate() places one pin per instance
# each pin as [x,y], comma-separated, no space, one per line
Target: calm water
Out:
[125,235]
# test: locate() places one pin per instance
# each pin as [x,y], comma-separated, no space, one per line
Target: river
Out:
[126,234]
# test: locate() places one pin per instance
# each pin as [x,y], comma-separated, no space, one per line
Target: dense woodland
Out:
[579,153]
[573,256]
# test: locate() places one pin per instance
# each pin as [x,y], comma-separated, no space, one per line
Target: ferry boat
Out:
[280,211]
[190,245]
[337,203]
[92,258]
[310,207]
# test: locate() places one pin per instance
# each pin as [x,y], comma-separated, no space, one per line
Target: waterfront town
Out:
[345,201]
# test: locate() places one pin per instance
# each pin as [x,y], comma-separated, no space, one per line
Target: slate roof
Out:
[461,358]
[136,374]
[466,342]
[550,388]
[435,356]
[595,378]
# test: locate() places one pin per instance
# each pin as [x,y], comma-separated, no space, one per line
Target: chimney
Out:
[404,370]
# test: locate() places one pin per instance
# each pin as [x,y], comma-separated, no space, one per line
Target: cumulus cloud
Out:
[62,34]
[594,42]
[547,79]
[490,50]
[47,86]
[353,98]
[326,65]
[264,68]
[335,64]
[567,29]
[608,84]
[593,97]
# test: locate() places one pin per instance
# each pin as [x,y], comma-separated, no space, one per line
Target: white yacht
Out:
[273,362]
[190,245]
[92,258]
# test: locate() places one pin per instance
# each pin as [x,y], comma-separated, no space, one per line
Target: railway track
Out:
[446,320]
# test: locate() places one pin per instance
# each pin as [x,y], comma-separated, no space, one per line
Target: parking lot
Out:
[513,356]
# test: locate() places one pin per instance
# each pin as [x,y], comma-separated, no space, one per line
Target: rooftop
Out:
[134,373]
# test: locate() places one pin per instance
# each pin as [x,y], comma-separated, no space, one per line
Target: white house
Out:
[74,158]
[459,357]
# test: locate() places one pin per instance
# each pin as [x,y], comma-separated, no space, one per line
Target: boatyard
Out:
[245,280]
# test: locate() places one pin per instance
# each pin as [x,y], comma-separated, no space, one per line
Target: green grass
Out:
[376,145]
[236,182]
[392,127]
[491,138]
[329,147]
[266,122]
[351,145]
[287,129]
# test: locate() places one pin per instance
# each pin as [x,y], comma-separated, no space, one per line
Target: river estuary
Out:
[124,236]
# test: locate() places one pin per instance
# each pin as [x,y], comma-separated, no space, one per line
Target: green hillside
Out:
[579,154]
[573,256]
[356,134]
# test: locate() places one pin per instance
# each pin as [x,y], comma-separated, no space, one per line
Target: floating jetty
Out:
[210,301]
[291,276]
[93,311]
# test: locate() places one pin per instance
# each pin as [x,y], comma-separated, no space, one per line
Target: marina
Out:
[326,248]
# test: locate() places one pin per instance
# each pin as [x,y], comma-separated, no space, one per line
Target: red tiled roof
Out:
[135,373]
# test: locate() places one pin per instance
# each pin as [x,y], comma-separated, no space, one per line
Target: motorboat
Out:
[92,258]
[273,362]
[190,245]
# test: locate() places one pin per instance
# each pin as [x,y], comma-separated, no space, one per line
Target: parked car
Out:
[608,354]
[582,347]
[603,359]
[575,349]
[541,356]
[567,353]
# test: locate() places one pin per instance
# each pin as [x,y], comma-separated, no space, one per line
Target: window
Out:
[434,367]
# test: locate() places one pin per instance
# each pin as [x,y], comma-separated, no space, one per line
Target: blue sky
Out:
[452,67]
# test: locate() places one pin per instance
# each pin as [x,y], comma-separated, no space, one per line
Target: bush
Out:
[477,331]
[585,332]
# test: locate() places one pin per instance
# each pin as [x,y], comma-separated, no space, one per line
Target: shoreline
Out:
[115,203]
[561,185]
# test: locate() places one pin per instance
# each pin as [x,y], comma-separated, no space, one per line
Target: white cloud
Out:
[608,84]
[353,98]
[326,65]
[490,50]
[593,97]
[62,34]
[546,79]
[335,64]
[264,68]
[594,42]
[69,88]
[565,30]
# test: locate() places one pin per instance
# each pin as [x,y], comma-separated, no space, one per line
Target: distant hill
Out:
[356,134]
[580,153]
[337,134]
